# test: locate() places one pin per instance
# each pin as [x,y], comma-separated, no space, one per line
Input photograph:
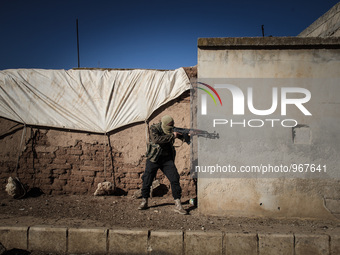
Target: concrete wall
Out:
[325,26]
[68,162]
[305,197]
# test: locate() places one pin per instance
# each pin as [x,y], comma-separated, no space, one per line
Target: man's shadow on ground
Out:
[189,209]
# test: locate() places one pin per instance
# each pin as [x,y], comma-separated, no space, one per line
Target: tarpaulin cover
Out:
[88,100]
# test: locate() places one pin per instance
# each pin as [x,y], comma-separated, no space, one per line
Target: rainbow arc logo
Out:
[209,93]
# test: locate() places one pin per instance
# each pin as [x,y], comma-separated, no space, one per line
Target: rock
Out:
[15,188]
[105,188]
[138,193]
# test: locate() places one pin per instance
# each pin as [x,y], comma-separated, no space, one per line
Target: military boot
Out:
[144,204]
[179,208]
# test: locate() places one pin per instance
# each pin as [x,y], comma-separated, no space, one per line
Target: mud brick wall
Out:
[69,162]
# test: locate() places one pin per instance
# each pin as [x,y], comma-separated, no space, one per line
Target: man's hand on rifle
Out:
[187,133]
[179,135]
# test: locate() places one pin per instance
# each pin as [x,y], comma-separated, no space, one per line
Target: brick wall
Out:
[69,162]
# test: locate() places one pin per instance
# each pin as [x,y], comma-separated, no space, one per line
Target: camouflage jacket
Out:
[165,142]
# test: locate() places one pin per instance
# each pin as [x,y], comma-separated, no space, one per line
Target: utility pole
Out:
[262,30]
[78,43]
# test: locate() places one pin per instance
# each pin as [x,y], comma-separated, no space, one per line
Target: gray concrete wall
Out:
[325,26]
[306,196]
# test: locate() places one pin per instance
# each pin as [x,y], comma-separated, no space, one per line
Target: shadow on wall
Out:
[50,168]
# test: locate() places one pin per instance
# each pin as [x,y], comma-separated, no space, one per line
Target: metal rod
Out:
[262,30]
[78,44]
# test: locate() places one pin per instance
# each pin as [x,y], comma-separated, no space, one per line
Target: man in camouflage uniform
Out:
[161,155]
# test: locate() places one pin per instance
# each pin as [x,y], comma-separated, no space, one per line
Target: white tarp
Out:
[88,100]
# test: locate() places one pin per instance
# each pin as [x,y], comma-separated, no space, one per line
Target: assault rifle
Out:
[187,133]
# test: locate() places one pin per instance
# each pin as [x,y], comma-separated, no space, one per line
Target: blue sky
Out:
[137,34]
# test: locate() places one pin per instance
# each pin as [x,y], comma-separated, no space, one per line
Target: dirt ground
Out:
[120,212]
